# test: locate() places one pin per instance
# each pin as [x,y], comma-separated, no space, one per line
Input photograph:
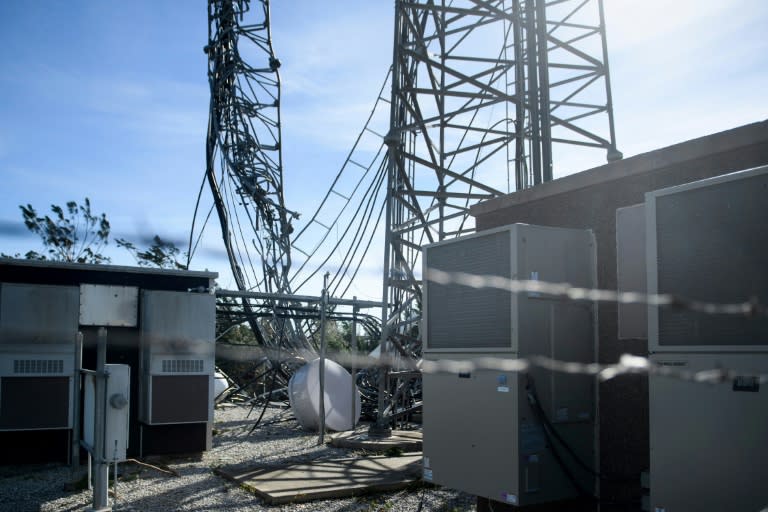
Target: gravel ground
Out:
[191,484]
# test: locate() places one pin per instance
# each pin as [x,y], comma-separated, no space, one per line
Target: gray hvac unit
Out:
[481,433]
[709,442]
[38,329]
[707,241]
[177,357]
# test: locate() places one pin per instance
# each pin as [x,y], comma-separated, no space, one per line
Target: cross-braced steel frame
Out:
[244,166]
[482,90]
[488,96]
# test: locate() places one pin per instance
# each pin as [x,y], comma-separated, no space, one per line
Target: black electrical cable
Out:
[564,467]
[365,251]
[244,386]
[190,249]
[349,156]
[271,372]
[266,401]
[325,236]
[229,200]
[534,401]
[366,213]
[274,377]
[367,196]
[550,432]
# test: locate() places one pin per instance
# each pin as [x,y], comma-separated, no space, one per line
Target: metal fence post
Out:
[101,468]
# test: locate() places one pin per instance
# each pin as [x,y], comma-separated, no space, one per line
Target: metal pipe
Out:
[324,306]
[441,112]
[521,175]
[533,90]
[101,468]
[114,483]
[613,152]
[543,61]
[380,427]
[76,401]
[353,350]
[299,298]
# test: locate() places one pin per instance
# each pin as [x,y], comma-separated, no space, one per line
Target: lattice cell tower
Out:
[244,166]
[488,96]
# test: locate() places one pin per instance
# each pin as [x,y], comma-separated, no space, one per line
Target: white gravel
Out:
[50,488]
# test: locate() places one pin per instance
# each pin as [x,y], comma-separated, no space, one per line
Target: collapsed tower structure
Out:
[487,96]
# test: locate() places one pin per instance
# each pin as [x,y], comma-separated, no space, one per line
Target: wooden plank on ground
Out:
[324,479]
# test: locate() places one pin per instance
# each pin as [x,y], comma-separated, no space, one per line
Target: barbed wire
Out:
[627,364]
[750,307]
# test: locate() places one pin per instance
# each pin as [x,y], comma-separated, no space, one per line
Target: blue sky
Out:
[109,99]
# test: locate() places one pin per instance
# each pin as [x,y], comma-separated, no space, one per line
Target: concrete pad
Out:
[406,440]
[327,478]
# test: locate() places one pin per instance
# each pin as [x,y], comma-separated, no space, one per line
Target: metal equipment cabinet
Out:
[44,304]
[707,241]
[481,434]
[38,328]
[709,442]
[177,358]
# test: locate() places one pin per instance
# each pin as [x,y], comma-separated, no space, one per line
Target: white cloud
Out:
[685,69]
[638,23]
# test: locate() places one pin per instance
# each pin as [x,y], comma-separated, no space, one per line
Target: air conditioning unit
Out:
[481,433]
[708,443]
[707,241]
[177,357]
[38,329]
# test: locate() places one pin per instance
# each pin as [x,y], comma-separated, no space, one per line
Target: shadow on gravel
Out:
[29,487]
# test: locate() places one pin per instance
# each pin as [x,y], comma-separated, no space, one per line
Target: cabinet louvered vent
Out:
[48,366]
[182,366]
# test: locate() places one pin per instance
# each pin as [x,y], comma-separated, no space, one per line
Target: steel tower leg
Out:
[448,136]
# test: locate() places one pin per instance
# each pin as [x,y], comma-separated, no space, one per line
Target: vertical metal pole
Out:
[76,401]
[533,89]
[543,59]
[323,307]
[441,199]
[613,152]
[380,427]
[509,120]
[353,350]
[114,483]
[521,176]
[101,468]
